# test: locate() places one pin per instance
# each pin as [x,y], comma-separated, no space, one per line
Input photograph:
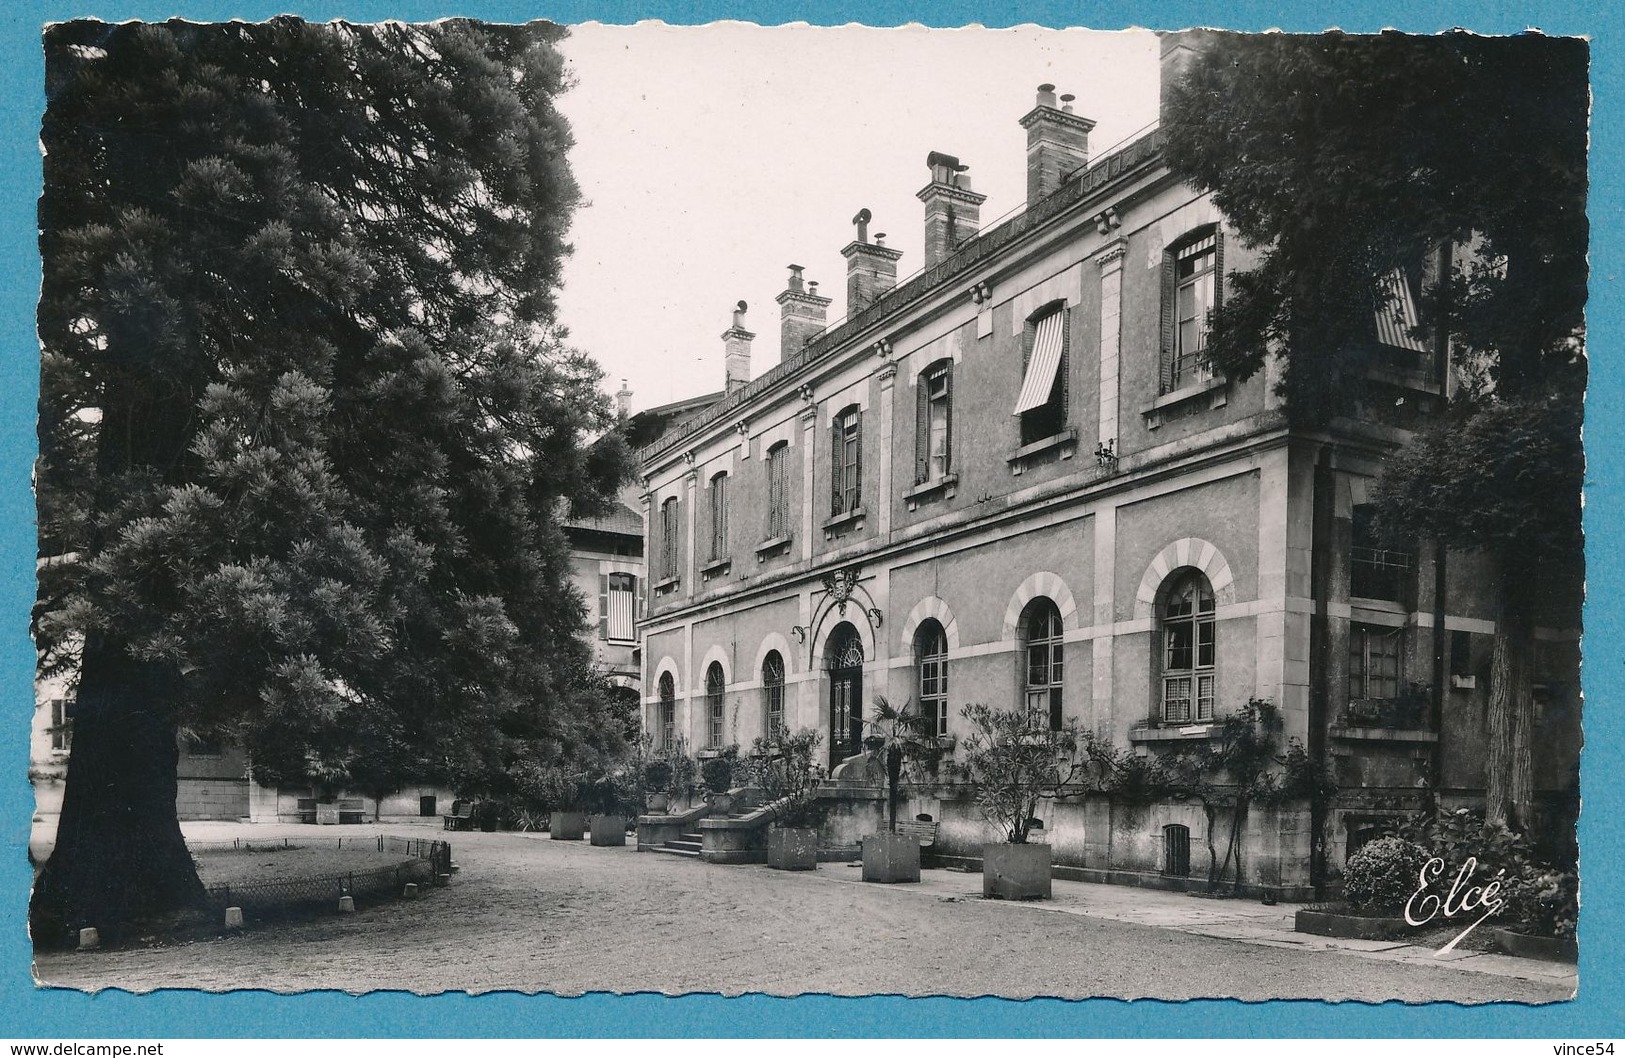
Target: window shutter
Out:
[1065,370]
[922,428]
[1169,295]
[836,470]
[948,417]
[603,606]
[857,463]
[1218,268]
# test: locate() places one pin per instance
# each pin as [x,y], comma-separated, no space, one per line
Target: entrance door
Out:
[844,662]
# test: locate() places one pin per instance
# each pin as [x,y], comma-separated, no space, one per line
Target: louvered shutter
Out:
[857,462]
[837,468]
[1065,368]
[922,428]
[1170,294]
[603,606]
[1218,268]
[948,417]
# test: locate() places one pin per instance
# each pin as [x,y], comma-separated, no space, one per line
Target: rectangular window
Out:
[1042,403]
[778,505]
[1396,316]
[1373,664]
[623,593]
[1375,572]
[846,465]
[1187,698]
[719,518]
[934,423]
[668,724]
[62,724]
[1194,275]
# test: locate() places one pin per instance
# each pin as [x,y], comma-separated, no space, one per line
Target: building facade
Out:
[1014,479]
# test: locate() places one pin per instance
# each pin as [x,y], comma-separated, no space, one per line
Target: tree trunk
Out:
[1508,769]
[119,858]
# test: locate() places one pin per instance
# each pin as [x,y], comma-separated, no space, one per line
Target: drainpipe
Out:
[1320,577]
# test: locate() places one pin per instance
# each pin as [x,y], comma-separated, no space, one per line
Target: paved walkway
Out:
[530,914]
[1239,920]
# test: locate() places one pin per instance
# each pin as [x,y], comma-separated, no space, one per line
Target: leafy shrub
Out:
[1383,874]
[782,765]
[1455,836]
[1543,901]
[657,775]
[718,771]
[1014,761]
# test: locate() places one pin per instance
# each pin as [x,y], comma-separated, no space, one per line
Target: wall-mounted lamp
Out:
[800,632]
[875,615]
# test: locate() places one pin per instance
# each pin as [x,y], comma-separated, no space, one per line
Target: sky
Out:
[712,157]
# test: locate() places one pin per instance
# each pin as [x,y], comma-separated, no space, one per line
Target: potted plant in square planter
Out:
[894,737]
[607,798]
[782,766]
[1014,759]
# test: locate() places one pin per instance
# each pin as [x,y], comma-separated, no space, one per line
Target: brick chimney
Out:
[1057,142]
[953,211]
[871,267]
[736,350]
[802,313]
[623,399]
[1179,50]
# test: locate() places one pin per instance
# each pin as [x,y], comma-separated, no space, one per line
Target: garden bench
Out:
[922,830]
[461,816]
[306,808]
[352,810]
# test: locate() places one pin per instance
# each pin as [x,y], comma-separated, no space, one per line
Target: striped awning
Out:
[1396,316]
[1046,357]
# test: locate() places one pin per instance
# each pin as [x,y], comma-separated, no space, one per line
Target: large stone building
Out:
[1014,479]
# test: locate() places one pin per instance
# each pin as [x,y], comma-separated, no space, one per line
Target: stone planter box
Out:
[792,848]
[1351,927]
[607,830]
[1529,946]
[567,826]
[658,803]
[1016,872]
[889,857]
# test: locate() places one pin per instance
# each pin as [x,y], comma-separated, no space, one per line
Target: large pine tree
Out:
[307,427]
[1343,158]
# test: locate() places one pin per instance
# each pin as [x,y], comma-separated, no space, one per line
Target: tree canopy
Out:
[308,428]
[1460,159]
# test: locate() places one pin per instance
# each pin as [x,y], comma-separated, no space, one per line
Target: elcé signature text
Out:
[1463,898]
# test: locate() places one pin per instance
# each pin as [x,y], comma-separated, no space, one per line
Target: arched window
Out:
[1041,636]
[1188,650]
[931,658]
[668,711]
[773,692]
[714,692]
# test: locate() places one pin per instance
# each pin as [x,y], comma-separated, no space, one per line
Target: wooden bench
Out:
[922,830]
[461,816]
[352,810]
[307,809]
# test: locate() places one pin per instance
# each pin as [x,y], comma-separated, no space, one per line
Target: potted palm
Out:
[1014,759]
[782,766]
[894,737]
[562,794]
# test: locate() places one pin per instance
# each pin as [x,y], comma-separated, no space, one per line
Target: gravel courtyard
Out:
[534,915]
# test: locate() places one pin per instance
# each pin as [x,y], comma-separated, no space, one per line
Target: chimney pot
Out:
[871,268]
[1057,142]
[802,313]
[1046,95]
[952,209]
[1066,103]
[736,351]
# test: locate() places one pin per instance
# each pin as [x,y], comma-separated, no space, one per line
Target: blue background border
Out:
[28,1011]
